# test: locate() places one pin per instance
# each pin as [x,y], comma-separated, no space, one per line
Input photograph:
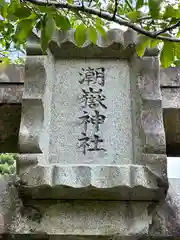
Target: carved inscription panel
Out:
[91,113]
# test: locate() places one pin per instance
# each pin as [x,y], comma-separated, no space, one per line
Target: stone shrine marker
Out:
[92,125]
[91,113]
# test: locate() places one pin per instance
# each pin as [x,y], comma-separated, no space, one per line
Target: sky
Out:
[173,167]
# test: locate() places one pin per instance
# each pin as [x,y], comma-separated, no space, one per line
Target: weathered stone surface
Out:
[166,220]
[11,93]
[93,182]
[103,219]
[9,202]
[69,104]
[171,98]
[12,73]
[87,218]
[132,153]
[170,77]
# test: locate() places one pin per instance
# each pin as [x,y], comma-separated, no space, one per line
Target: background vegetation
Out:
[158,21]
[7,163]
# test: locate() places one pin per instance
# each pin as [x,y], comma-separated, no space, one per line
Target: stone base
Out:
[83,218]
[80,219]
[58,237]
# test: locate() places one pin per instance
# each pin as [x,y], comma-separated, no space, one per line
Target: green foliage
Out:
[7,163]
[141,47]
[80,34]
[49,27]
[155,8]
[139,4]
[92,34]
[158,20]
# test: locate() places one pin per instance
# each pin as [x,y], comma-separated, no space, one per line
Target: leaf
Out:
[23,30]
[47,9]
[177,50]
[92,34]
[62,22]
[178,34]
[177,63]
[22,12]
[4,10]
[141,47]
[154,7]
[139,4]
[171,12]
[39,25]
[5,61]
[154,43]
[12,8]
[100,29]
[47,31]
[80,34]
[167,54]
[134,15]
[99,21]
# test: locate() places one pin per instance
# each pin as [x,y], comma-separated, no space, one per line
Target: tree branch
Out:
[115,8]
[90,1]
[104,15]
[168,28]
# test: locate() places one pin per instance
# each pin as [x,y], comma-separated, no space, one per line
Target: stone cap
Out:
[118,44]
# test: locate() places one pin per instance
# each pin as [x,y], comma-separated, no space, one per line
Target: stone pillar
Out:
[92,132]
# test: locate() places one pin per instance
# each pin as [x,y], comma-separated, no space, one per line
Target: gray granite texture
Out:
[70,111]
[9,202]
[166,219]
[117,144]
[12,73]
[170,77]
[87,219]
[11,94]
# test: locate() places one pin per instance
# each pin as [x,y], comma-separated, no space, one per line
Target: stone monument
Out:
[91,137]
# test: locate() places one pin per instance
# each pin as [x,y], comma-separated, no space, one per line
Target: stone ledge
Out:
[11,93]
[119,182]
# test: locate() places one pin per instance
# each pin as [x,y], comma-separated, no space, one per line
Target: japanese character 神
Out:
[85,120]
[97,119]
